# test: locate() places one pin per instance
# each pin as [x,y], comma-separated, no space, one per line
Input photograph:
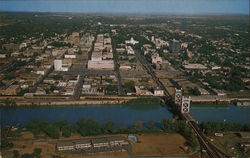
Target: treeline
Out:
[212,127]
[88,127]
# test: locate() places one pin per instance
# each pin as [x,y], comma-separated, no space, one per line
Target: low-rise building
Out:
[2,56]
[125,67]
[156,59]
[130,50]
[103,64]
[69,56]
[195,67]
[158,92]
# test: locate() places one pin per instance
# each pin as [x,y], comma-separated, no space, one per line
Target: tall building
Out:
[174,46]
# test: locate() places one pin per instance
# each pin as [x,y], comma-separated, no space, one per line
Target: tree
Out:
[37,152]
[138,125]
[57,77]
[193,143]
[9,102]
[89,127]
[167,125]
[16,154]
[26,155]
[130,86]
[36,126]
[6,144]
[66,131]
[61,124]
[52,131]
[194,91]
[111,88]
[150,124]
[109,126]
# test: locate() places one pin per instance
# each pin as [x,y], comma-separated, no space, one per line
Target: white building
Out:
[195,67]
[131,41]
[130,50]
[156,59]
[62,65]
[69,56]
[40,72]
[158,92]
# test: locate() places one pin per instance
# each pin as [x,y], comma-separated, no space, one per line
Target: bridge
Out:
[208,150]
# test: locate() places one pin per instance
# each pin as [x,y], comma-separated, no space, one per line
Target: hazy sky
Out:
[129,6]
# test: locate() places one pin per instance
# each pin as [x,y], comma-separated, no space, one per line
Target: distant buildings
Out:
[102,54]
[174,46]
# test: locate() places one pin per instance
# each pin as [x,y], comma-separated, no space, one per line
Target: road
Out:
[78,88]
[117,71]
[210,150]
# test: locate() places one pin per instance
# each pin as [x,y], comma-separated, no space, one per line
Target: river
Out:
[119,114]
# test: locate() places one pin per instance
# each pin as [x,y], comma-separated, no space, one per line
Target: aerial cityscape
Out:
[124,84]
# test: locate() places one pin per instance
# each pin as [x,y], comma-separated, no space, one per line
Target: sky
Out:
[129,6]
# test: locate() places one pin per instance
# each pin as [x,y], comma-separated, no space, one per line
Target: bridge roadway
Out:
[209,150]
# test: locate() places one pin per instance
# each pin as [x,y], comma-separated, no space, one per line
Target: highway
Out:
[209,150]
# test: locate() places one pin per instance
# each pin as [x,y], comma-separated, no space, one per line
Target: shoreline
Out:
[24,101]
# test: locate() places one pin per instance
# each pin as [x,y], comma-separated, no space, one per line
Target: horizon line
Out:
[123,13]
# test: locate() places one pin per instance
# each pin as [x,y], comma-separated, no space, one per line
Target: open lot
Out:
[148,144]
[159,145]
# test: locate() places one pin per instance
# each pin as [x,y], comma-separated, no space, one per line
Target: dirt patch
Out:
[159,145]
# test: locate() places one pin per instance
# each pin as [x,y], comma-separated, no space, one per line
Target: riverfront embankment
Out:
[209,101]
[87,100]
[61,101]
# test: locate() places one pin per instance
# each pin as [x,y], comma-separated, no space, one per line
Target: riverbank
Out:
[210,105]
[196,101]
[88,100]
